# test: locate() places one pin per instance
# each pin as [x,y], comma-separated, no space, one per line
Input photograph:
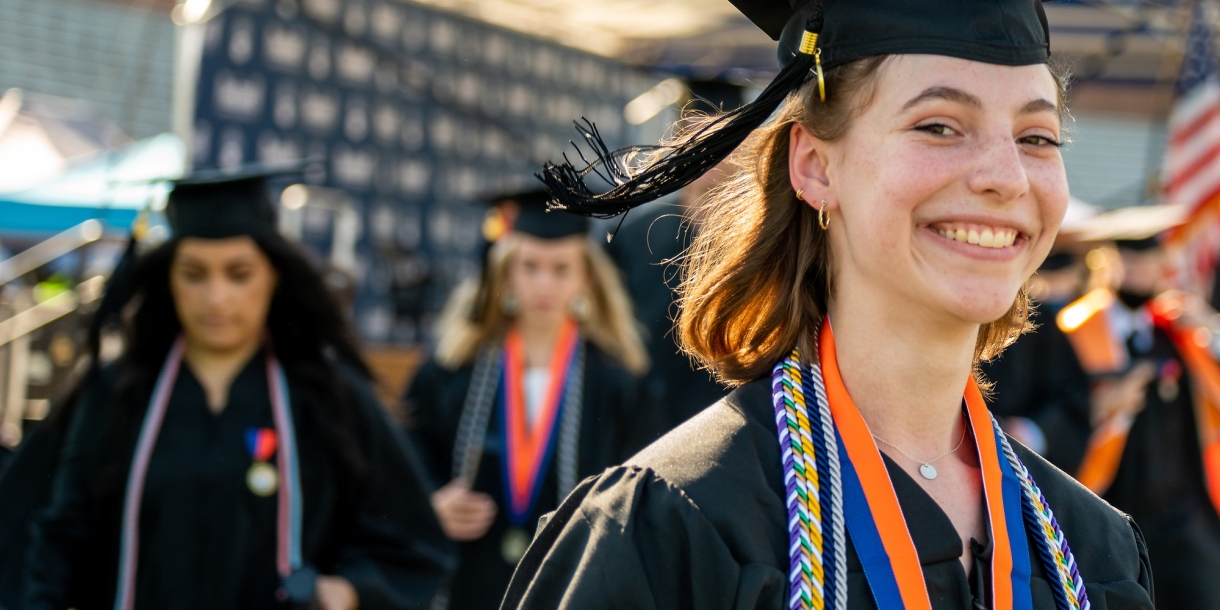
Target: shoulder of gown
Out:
[697,520]
[690,522]
[1108,545]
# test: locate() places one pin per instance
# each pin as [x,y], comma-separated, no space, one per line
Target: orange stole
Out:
[1103,454]
[1087,326]
[1192,344]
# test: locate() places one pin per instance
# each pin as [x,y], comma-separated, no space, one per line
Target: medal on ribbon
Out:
[262,478]
[529,445]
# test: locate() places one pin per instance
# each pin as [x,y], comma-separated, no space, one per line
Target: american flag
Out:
[1192,159]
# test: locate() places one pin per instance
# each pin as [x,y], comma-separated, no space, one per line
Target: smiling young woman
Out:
[872,249]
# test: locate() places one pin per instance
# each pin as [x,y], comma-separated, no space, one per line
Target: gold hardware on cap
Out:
[809,46]
[817,62]
[809,42]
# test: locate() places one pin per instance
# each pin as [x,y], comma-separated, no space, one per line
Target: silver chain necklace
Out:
[925,467]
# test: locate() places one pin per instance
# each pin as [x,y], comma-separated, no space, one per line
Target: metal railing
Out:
[46,251]
[25,316]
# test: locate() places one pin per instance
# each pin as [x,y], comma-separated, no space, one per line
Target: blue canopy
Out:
[112,187]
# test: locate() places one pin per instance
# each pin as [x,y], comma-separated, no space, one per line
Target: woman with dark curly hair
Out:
[234,456]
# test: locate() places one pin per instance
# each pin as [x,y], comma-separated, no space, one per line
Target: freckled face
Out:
[949,187]
[222,290]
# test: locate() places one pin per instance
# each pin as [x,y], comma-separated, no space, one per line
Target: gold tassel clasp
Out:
[809,43]
[809,46]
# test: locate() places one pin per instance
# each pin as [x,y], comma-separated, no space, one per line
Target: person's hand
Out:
[465,515]
[336,593]
[1122,397]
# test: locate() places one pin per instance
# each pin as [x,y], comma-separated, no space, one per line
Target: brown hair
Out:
[757,276]
[609,323]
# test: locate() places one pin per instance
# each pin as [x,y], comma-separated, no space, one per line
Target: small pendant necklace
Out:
[926,469]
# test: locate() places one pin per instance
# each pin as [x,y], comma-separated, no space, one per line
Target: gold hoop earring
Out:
[800,194]
[823,217]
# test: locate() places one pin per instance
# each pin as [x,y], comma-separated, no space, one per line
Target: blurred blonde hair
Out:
[609,324]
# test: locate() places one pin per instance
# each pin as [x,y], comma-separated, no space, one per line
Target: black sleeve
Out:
[1063,409]
[396,555]
[60,535]
[25,491]
[423,408]
[630,540]
[1145,577]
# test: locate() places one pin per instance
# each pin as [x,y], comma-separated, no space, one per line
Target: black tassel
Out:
[673,166]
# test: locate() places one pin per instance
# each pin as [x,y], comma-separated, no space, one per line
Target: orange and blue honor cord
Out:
[288,531]
[529,447]
[808,397]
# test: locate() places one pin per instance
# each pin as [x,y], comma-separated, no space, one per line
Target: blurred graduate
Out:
[1154,450]
[234,455]
[532,388]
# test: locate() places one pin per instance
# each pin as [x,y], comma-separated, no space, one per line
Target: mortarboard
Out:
[534,219]
[814,35]
[217,204]
[1135,228]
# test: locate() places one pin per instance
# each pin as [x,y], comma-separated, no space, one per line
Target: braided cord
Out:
[831,493]
[476,414]
[806,576]
[567,464]
[813,482]
[1057,557]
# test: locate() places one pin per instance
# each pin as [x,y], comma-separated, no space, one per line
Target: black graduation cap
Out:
[1138,245]
[533,218]
[814,35]
[215,204]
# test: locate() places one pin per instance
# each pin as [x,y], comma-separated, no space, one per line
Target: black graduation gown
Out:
[434,403]
[645,248]
[206,541]
[1040,378]
[1160,483]
[698,520]
[25,487]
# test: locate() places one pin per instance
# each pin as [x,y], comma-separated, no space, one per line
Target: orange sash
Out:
[1086,323]
[1193,345]
[1087,327]
[529,445]
[865,461]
